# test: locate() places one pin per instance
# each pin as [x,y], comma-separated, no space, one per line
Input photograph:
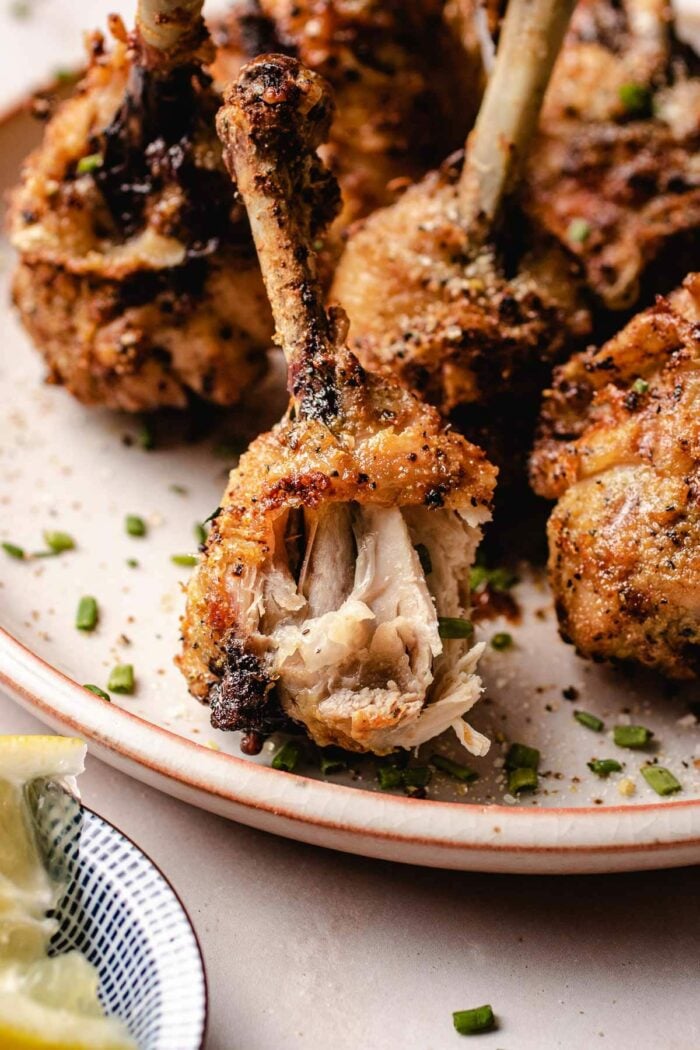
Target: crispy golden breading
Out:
[620,449]
[137,278]
[350,528]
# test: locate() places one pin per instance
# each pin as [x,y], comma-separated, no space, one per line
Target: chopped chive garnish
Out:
[500,579]
[287,757]
[332,760]
[134,525]
[200,533]
[121,679]
[424,558]
[13,550]
[454,627]
[640,386]
[389,777]
[589,721]
[520,756]
[86,616]
[133,563]
[471,1022]
[661,780]
[416,776]
[214,514]
[185,560]
[98,692]
[603,767]
[89,163]
[179,490]
[58,542]
[145,437]
[636,98]
[454,769]
[64,76]
[578,231]
[501,641]
[632,736]
[524,779]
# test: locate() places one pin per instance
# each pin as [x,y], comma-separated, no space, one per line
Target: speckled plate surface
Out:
[65,467]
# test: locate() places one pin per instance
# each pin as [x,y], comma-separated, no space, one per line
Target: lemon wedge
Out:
[46,1003]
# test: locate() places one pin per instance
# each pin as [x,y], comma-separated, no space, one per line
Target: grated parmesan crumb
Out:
[626,787]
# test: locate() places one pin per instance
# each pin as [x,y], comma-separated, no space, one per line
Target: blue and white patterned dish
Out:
[124,916]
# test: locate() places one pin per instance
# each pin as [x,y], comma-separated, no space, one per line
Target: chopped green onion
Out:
[64,76]
[89,163]
[520,756]
[589,721]
[603,767]
[471,1022]
[180,490]
[633,737]
[145,437]
[121,679]
[185,560]
[214,514]
[524,779]
[661,780]
[416,776]
[332,760]
[501,641]
[454,627]
[497,579]
[58,542]
[133,563]
[98,692]
[135,526]
[454,769]
[287,757]
[424,558]
[389,777]
[640,386]
[87,614]
[13,550]
[200,533]
[578,231]
[636,98]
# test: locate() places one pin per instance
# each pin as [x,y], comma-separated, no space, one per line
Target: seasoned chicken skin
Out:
[620,450]
[441,296]
[347,531]
[615,173]
[406,93]
[137,278]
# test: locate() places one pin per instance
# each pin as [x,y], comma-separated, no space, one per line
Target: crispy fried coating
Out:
[619,448]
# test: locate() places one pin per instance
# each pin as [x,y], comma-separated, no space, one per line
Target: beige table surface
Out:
[310,949]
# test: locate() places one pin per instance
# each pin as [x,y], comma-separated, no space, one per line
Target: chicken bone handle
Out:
[532,34]
[171,33]
[271,123]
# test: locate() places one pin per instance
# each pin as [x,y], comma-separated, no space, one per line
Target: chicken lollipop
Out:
[440,296]
[405,93]
[137,278]
[620,450]
[334,585]
[615,172]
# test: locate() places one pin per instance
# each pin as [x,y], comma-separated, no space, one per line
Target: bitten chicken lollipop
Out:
[620,450]
[137,278]
[334,585]
[435,292]
[405,92]
[615,171]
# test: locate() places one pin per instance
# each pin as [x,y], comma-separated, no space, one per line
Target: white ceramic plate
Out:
[62,466]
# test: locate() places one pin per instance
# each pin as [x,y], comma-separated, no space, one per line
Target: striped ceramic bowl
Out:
[125,917]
